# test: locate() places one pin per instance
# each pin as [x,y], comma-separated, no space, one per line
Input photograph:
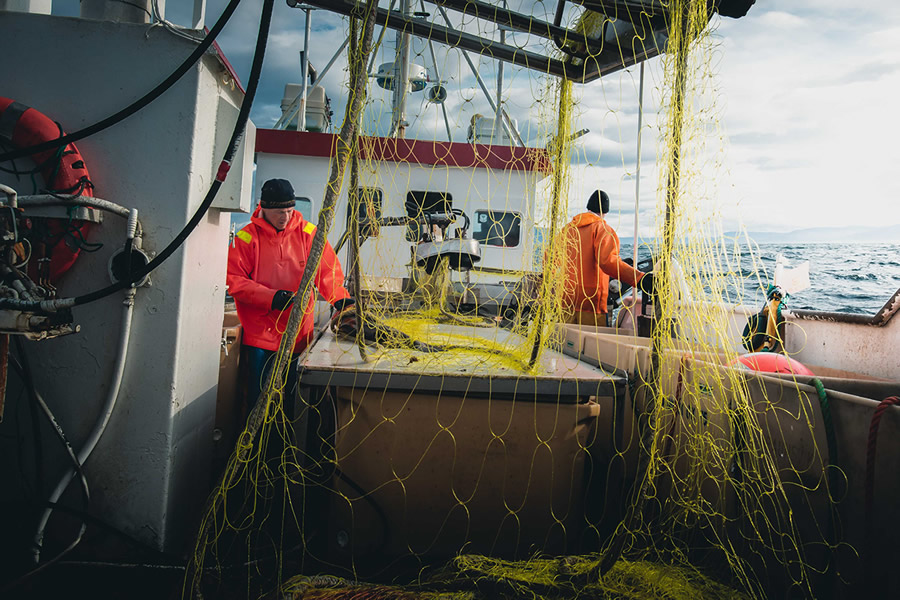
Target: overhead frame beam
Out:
[610,59]
[518,21]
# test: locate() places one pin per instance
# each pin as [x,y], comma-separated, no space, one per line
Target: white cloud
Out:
[804,102]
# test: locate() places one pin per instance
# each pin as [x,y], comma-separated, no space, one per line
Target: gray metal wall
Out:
[150,471]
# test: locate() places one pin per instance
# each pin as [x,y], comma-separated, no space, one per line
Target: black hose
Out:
[385,522]
[236,134]
[35,423]
[24,371]
[138,104]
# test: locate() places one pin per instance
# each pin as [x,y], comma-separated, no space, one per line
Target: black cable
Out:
[138,104]
[35,423]
[385,523]
[92,520]
[237,133]
[24,371]
[243,116]
[167,560]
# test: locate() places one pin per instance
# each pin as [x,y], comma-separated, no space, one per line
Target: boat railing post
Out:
[498,118]
[304,69]
[637,173]
[199,18]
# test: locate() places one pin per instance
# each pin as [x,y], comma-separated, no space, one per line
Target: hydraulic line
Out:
[138,104]
[100,426]
[224,166]
[24,371]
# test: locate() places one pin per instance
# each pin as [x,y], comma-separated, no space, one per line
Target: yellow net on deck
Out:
[464,442]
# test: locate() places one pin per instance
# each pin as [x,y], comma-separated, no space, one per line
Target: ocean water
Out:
[849,278]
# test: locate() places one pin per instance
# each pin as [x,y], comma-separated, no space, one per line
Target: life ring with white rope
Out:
[65,174]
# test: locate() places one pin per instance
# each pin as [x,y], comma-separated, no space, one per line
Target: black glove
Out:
[646,284]
[343,321]
[282,299]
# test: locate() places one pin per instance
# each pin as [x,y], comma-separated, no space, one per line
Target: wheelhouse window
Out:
[419,203]
[498,228]
[368,211]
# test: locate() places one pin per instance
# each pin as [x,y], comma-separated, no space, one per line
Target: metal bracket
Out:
[49,206]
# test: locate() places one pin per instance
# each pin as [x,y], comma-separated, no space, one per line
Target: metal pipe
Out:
[437,75]
[51,200]
[292,110]
[381,35]
[199,17]
[487,94]
[100,426]
[304,68]
[451,37]
[401,75]
[11,196]
[498,114]
[99,203]
[518,21]
[637,176]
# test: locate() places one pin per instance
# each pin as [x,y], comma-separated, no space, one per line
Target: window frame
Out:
[366,229]
[517,217]
[413,230]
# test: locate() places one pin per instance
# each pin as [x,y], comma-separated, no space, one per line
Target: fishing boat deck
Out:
[485,370]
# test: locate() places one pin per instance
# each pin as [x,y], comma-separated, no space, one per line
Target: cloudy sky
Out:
[803,126]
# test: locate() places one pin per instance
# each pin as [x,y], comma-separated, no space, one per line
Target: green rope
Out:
[831,467]
[829,428]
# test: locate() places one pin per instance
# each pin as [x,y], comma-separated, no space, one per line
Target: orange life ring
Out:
[63,170]
[771,362]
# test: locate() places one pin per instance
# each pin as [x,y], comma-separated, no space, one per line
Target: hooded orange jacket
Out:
[262,261]
[591,258]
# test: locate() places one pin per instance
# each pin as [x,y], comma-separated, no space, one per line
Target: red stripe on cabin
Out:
[450,154]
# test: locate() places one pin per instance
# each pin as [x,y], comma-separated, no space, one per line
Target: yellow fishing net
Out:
[464,442]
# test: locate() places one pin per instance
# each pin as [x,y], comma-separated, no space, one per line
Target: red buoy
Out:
[771,362]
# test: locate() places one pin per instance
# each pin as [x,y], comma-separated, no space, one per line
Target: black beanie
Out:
[598,202]
[277,193]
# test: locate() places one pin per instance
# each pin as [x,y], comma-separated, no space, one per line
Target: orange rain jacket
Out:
[592,258]
[262,261]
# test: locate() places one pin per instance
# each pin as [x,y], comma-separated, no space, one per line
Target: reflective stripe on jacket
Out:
[263,260]
[592,258]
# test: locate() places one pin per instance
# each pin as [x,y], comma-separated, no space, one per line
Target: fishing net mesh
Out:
[464,441]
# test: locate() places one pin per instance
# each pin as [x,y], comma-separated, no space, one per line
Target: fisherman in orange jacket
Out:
[591,249]
[265,265]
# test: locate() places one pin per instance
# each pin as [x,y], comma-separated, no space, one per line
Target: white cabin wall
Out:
[389,254]
[151,470]
[855,347]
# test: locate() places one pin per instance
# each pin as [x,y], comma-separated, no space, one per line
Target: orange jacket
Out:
[591,258]
[264,260]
